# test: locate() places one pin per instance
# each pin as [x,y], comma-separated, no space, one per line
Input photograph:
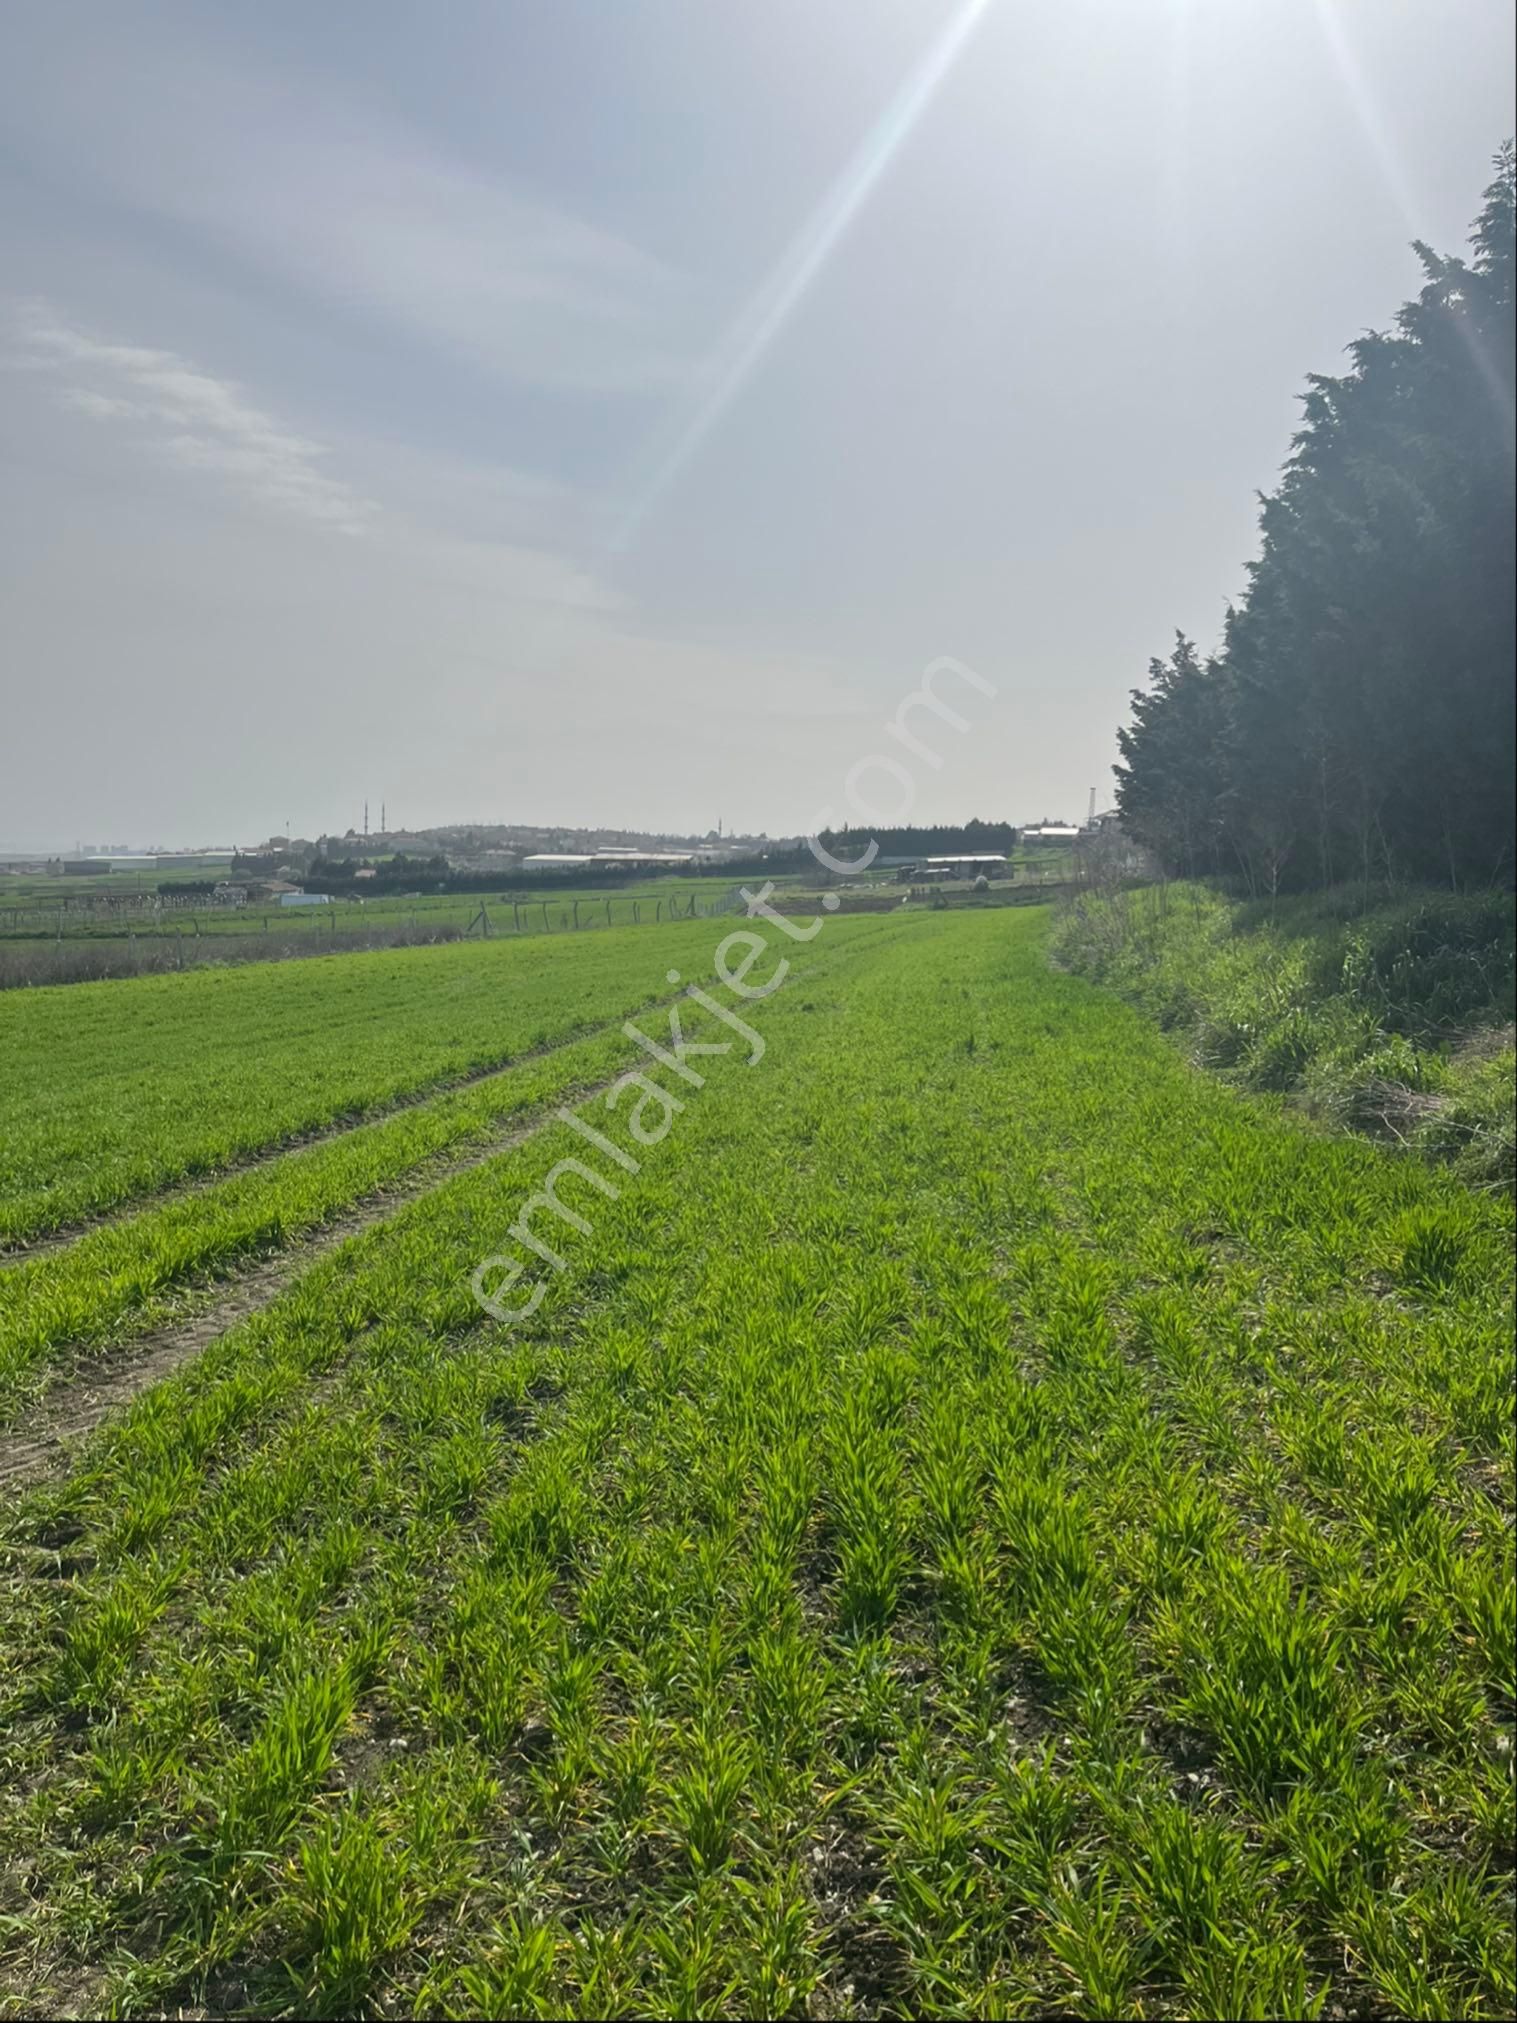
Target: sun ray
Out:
[764,316]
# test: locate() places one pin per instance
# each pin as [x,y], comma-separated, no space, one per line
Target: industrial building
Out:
[610,859]
[976,865]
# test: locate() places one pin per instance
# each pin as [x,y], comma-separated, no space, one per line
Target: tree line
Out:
[943,839]
[1357,719]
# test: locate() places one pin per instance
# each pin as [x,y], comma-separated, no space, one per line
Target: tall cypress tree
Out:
[1358,720]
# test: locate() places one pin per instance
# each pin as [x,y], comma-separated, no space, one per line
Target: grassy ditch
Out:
[1389,1014]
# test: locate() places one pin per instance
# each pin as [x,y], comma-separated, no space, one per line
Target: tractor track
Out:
[39,1441]
[48,1242]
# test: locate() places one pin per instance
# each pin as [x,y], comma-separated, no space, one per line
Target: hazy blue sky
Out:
[603,412]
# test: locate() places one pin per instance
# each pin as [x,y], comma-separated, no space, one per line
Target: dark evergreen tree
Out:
[1358,720]
[1173,792]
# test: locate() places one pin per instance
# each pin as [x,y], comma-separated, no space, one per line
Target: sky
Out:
[603,414]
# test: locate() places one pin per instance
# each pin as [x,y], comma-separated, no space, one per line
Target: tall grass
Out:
[1387,1013]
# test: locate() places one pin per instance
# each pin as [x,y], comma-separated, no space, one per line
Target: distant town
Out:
[493,851]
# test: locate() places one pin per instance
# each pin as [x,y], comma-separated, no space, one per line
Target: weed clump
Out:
[1428,1248]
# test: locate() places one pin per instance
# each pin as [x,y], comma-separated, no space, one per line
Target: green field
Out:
[45,909]
[117,1088]
[987,1521]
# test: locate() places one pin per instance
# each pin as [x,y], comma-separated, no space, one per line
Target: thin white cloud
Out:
[307,184]
[372,216]
[189,419]
[103,406]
